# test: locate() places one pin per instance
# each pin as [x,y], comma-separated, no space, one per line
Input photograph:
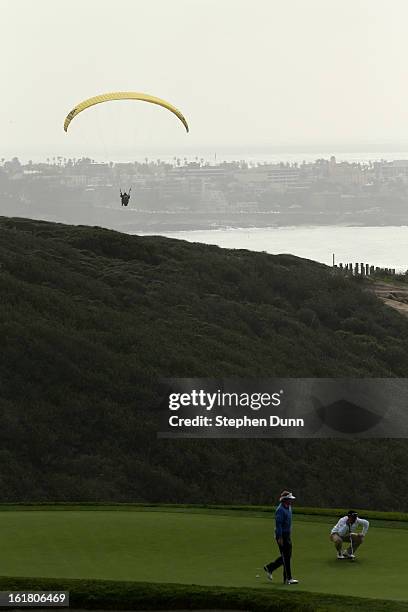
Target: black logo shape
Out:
[346,417]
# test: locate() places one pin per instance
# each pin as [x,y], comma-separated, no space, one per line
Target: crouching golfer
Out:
[283,525]
[346,531]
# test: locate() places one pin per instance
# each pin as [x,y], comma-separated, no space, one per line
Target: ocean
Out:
[378,246]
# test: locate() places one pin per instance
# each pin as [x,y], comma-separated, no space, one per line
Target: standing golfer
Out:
[283,525]
[346,531]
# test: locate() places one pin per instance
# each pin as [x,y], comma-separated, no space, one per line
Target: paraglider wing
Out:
[122,95]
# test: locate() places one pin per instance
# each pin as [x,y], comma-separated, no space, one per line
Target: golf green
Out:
[193,548]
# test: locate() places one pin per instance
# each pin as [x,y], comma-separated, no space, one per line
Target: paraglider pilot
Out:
[125,197]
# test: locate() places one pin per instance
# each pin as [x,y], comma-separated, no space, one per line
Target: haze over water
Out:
[379,246]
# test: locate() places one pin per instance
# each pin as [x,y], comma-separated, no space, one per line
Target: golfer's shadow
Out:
[334,563]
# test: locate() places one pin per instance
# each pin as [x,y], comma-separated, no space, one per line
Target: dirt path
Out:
[394,295]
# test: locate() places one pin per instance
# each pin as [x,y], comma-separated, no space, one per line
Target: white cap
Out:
[286,495]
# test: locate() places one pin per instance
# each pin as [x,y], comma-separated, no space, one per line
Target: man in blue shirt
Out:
[283,527]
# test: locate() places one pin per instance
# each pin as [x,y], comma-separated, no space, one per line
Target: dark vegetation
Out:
[90,320]
[109,595]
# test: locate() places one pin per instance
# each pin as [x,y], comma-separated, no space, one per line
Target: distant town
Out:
[196,194]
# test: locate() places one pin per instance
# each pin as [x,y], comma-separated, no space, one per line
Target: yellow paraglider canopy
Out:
[122,95]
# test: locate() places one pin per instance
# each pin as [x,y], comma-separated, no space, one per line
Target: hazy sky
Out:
[246,74]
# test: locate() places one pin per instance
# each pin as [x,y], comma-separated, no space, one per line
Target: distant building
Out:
[389,171]
[346,173]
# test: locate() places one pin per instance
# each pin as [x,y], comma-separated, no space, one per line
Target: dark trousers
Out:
[284,558]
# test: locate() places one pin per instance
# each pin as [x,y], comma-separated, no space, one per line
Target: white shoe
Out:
[340,555]
[268,573]
[349,555]
[292,581]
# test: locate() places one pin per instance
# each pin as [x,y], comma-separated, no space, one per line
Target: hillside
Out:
[90,321]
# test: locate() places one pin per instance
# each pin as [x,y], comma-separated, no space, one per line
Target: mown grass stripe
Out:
[299,510]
